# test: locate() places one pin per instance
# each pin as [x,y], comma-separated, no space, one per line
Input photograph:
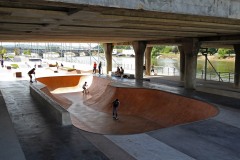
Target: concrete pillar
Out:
[148,60]
[190,48]
[182,63]
[139,48]
[237,65]
[108,48]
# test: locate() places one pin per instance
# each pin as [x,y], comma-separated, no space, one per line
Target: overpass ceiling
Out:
[41,21]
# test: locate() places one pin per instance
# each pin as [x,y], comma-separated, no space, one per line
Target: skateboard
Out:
[115,118]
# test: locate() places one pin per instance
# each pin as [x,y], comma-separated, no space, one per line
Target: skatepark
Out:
[160,118]
[205,127]
[92,111]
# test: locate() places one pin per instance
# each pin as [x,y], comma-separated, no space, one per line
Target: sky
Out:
[45,44]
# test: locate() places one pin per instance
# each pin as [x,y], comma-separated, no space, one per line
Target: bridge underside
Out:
[43,21]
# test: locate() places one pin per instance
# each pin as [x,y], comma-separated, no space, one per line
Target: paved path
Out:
[40,138]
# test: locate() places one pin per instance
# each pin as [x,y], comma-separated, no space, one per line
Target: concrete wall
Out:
[216,8]
[61,115]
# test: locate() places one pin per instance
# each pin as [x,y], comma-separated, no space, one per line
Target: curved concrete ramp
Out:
[140,110]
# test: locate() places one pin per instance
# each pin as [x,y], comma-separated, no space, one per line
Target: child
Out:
[84,87]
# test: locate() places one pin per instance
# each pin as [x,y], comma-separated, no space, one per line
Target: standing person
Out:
[144,69]
[121,72]
[99,67]
[152,68]
[32,71]
[57,65]
[84,87]
[2,63]
[94,67]
[115,106]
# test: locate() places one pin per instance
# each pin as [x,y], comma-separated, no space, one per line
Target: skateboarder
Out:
[116,104]
[32,71]
[84,87]
[99,67]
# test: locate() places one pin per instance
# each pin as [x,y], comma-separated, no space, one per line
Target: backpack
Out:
[115,103]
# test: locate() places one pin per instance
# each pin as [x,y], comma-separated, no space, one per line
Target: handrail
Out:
[214,70]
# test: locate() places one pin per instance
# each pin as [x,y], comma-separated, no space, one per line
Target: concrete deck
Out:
[39,137]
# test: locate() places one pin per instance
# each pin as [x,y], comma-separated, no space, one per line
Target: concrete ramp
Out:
[140,110]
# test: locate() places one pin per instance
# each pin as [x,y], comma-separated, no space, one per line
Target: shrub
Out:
[15,66]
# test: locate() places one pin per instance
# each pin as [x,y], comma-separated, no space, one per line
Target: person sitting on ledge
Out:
[117,73]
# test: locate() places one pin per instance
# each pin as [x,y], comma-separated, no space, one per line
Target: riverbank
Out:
[200,57]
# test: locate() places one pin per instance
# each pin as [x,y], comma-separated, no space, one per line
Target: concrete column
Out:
[108,48]
[139,48]
[182,63]
[237,65]
[148,60]
[190,48]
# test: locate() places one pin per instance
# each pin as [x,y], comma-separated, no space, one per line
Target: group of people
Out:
[152,68]
[95,67]
[115,103]
[119,72]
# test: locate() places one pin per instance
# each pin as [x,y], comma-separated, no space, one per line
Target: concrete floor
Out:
[27,132]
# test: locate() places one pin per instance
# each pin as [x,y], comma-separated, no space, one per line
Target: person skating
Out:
[115,106]
[32,71]
[84,87]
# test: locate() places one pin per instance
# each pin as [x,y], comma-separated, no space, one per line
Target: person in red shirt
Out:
[94,67]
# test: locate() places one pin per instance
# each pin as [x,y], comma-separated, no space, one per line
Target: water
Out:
[223,68]
[163,66]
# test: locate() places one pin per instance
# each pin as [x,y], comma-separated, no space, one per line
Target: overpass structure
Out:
[142,23]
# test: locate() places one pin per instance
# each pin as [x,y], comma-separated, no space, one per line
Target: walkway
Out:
[40,138]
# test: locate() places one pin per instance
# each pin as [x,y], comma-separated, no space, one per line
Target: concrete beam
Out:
[237,65]
[216,8]
[148,60]
[182,63]
[139,49]
[190,48]
[108,48]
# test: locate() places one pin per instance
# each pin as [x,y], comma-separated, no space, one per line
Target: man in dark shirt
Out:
[32,71]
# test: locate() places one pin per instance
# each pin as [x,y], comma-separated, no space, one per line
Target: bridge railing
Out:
[219,76]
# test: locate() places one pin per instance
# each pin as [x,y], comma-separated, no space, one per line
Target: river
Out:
[163,66]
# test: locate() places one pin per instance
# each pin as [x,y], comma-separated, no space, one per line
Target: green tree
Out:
[175,49]
[223,52]
[27,52]
[2,51]
[212,51]
[122,47]
[156,51]
[17,51]
[167,49]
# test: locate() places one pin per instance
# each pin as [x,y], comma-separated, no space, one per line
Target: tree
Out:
[156,51]
[3,51]
[27,52]
[17,51]
[174,49]
[223,52]
[212,51]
